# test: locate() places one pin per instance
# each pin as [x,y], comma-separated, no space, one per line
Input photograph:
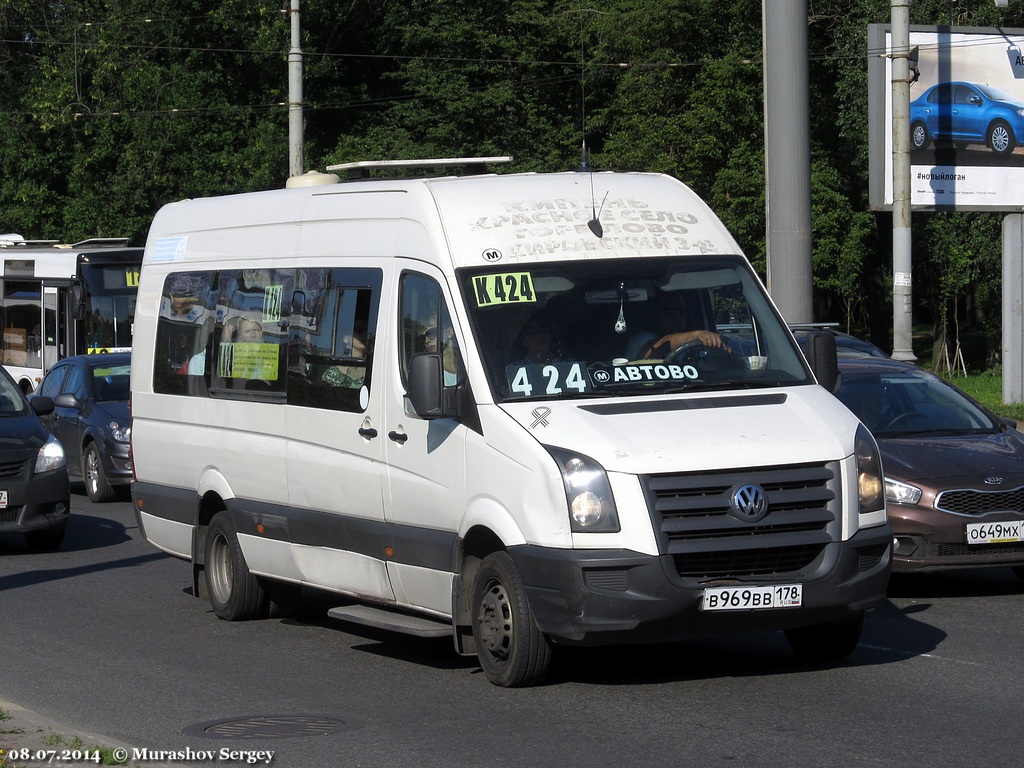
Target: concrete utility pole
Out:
[788,158]
[902,315]
[295,149]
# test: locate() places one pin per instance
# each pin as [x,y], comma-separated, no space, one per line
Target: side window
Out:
[426,326]
[187,312]
[75,383]
[54,380]
[248,350]
[332,333]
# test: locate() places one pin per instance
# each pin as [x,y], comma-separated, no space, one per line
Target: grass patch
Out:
[987,389]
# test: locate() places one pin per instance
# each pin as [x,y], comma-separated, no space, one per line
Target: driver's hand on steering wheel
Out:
[676,340]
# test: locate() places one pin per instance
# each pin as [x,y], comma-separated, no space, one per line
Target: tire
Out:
[45,541]
[513,653]
[826,642]
[1000,138]
[234,593]
[918,136]
[97,488]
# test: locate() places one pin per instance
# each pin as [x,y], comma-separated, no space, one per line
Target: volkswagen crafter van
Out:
[453,401]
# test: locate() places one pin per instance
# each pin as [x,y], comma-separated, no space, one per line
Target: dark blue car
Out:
[91,419]
[967,113]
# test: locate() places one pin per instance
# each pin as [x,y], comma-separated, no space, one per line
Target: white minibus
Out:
[521,410]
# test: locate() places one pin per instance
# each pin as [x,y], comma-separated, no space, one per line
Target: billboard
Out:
[966,118]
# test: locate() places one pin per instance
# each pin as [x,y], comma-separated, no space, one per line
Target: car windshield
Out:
[904,402]
[111,382]
[623,327]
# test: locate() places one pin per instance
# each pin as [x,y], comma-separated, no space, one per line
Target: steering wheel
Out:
[686,351]
[904,418]
[710,358]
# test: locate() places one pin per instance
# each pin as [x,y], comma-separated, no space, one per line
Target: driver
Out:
[670,317]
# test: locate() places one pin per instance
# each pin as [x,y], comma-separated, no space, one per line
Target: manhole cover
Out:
[271,727]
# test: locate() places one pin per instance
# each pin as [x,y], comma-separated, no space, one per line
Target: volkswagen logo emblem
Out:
[749,503]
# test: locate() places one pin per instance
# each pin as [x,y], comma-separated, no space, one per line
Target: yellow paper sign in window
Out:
[504,288]
[248,360]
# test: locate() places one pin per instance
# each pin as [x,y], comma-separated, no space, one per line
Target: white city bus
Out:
[58,300]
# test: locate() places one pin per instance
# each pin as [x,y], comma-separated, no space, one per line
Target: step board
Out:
[407,624]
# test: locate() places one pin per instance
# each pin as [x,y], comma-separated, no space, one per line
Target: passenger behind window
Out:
[429,341]
[533,345]
[350,375]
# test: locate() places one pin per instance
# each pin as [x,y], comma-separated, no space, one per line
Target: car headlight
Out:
[50,456]
[1020,112]
[122,434]
[870,488]
[901,493]
[588,492]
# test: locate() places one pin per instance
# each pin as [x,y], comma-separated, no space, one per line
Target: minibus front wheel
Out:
[234,593]
[512,651]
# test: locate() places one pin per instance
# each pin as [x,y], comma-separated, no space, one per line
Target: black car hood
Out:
[969,458]
[21,434]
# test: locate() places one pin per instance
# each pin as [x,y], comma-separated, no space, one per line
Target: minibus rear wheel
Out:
[235,594]
[512,651]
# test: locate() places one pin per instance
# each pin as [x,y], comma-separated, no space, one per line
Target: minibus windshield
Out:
[625,327]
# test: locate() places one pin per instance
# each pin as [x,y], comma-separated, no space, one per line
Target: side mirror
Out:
[43,406]
[76,296]
[426,385]
[822,356]
[66,400]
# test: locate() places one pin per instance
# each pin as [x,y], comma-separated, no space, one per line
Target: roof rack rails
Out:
[101,242]
[470,165]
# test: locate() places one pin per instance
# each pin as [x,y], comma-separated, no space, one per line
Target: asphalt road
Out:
[105,637]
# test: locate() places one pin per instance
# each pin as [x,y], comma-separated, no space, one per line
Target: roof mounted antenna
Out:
[585,167]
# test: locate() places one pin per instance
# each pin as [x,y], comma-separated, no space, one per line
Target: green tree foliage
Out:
[112,109]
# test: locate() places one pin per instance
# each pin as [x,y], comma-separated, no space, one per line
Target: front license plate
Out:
[752,598]
[3,499]
[995,533]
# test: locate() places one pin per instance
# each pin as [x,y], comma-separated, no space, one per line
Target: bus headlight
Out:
[588,493]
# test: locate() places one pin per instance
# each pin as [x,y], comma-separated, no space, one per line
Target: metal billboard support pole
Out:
[902,314]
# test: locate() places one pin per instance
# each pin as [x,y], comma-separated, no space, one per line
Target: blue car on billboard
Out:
[967,113]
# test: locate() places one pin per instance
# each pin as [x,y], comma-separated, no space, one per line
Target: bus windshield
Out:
[110,308]
[627,327]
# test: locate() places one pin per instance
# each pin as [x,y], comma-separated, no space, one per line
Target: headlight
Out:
[901,493]
[51,456]
[122,434]
[591,506]
[870,489]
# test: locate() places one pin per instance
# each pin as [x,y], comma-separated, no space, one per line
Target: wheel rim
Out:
[1000,139]
[92,470]
[494,621]
[918,136]
[218,568]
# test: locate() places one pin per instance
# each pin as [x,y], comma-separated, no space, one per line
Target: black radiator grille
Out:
[10,469]
[692,513]
[968,502]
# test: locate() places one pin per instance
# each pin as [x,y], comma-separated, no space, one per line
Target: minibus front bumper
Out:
[600,597]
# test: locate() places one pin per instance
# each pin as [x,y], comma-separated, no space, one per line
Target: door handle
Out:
[398,437]
[368,432]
